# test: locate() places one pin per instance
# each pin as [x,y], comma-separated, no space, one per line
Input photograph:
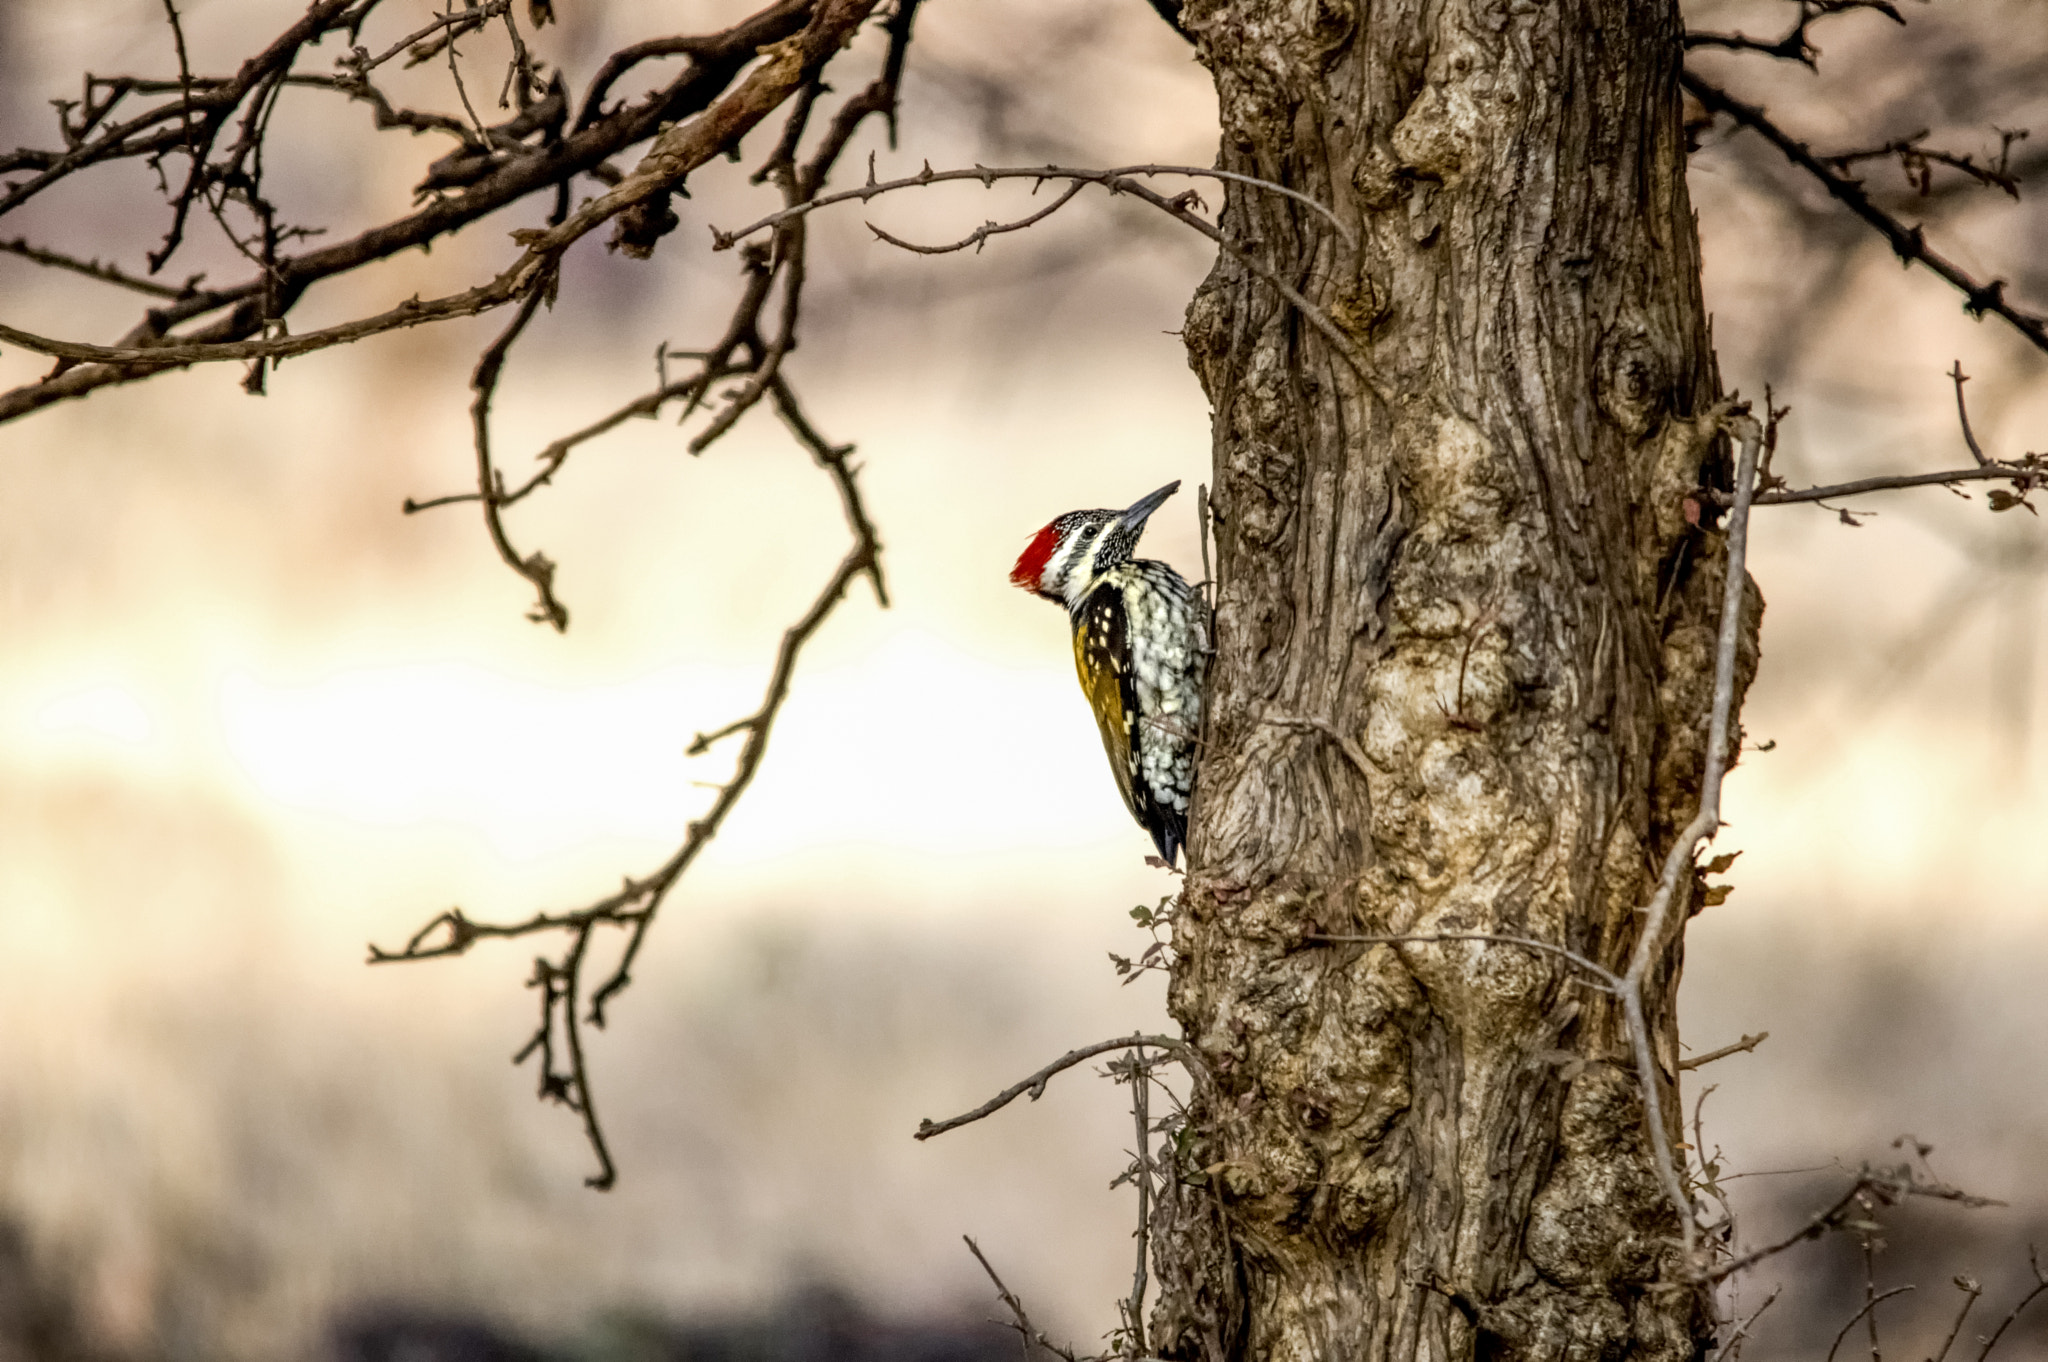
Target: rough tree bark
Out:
[1463,672]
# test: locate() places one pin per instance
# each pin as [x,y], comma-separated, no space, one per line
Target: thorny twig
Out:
[1732,1348]
[1918,160]
[415,45]
[635,905]
[1134,1068]
[94,269]
[1027,1332]
[535,567]
[1709,1179]
[1909,243]
[570,1086]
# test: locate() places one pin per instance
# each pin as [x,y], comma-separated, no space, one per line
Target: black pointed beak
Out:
[1144,506]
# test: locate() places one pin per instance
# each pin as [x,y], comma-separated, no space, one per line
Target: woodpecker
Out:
[1139,648]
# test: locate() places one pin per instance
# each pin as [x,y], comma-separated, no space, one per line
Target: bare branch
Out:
[1314,315]
[93,269]
[1117,181]
[1868,1307]
[1028,1332]
[1740,1047]
[213,101]
[1138,1071]
[457,23]
[981,234]
[557,453]
[535,568]
[1957,375]
[239,311]
[1733,1347]
[1971,1290]
[749,350]
[834,460]
[568,979]
[1795,45]
[2040,1286]
[675,153]
[2024,473]
[635,904]
[1650,944]
[1035,1085]
[1917,160]
[462,932]
[2029,472]
[988,175]
[859,560]
[1886,1186]
[1909,243]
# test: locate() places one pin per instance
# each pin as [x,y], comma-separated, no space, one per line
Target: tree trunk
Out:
[1464,662]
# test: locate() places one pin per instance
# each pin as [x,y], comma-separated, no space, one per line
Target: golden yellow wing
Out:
[1099,655]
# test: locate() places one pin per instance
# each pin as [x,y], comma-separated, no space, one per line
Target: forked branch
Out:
[2023,475]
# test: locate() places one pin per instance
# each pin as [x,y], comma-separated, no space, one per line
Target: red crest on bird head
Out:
[1030,569]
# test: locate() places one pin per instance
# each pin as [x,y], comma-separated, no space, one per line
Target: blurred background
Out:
[252,717]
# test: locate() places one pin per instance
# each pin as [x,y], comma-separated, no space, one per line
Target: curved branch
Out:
[988,175]
[1868,1306]
[1035,1084]
[535,568]
[981,234]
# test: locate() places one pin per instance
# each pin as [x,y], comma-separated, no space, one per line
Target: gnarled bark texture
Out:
[1463,672]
